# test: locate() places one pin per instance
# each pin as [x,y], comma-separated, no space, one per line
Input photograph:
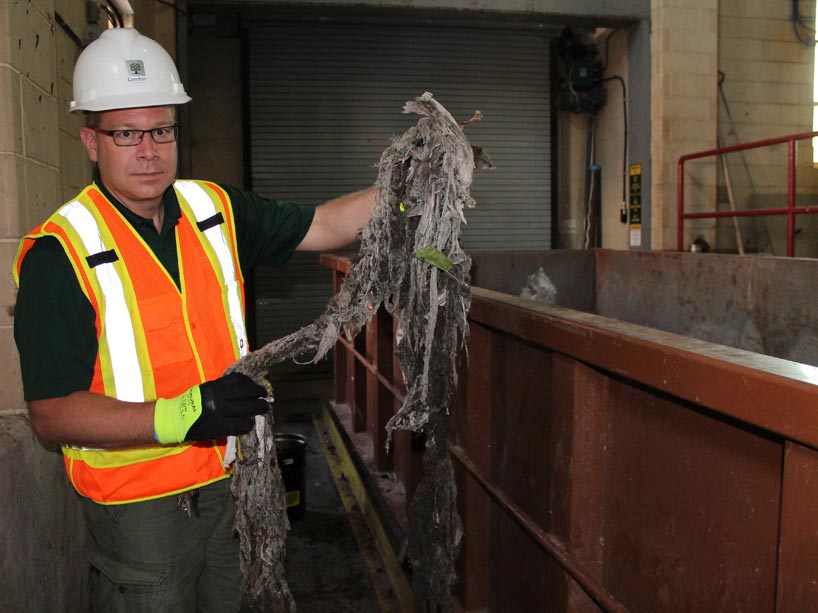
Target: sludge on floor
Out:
[334,563]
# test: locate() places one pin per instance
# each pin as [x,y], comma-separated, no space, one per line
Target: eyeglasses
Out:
[131,138]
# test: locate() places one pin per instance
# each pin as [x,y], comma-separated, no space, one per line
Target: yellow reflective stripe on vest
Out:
[121,345]
[203,208]
[114,458]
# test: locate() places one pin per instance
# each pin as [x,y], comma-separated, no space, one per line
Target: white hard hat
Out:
[123,70]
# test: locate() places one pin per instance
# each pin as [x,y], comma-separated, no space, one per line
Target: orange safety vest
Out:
[155,341]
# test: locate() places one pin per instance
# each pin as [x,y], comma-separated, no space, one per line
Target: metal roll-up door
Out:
[326,100]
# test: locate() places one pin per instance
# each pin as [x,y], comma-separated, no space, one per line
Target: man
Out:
[130,307]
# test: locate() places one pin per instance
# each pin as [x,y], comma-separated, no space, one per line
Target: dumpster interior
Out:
[763,305]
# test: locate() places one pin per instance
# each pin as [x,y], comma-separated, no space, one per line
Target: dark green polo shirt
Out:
[54,321]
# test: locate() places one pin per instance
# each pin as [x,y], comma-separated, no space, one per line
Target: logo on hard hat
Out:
[135,70]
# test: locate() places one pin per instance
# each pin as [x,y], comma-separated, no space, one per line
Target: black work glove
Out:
[210,410]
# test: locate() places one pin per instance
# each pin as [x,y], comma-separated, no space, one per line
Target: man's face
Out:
[137,176]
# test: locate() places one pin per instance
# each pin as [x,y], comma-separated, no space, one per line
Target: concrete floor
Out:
[333,563]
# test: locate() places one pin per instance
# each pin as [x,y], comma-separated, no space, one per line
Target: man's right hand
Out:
[210,410]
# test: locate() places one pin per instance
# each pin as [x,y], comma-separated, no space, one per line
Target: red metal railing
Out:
[790,210]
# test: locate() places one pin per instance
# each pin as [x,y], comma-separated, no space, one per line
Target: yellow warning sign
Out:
[635,205]
[293,498]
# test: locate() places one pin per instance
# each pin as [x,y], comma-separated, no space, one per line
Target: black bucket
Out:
[291,453]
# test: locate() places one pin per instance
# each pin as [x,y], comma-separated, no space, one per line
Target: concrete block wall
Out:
[43,566]
[768,88]
[769,73]
[75,170]
[44,542]
[684,57]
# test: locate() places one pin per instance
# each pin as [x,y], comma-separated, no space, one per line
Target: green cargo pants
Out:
[151,557]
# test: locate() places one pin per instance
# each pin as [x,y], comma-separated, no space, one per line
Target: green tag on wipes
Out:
[435,257]
[438,259]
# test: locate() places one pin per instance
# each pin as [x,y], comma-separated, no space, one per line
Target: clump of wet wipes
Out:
[539,287]
[411,261]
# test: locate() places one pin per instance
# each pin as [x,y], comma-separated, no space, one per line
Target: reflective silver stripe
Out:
[203,208]
[118,325]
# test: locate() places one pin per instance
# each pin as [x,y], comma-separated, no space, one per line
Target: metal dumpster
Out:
[604,460]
